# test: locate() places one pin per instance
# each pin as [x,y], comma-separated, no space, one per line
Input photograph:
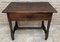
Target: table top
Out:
[29,7]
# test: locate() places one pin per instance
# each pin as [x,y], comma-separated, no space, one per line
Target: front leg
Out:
[10,24]
[11,30]
[44,28]
[48,26]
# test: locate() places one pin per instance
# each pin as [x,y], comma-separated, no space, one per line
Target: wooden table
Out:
[21,11]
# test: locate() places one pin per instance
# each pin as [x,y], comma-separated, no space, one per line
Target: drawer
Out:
[16,16]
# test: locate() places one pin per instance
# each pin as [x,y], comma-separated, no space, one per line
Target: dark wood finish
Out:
[21,11]
[44,28]
[41,16]
[11,30]
[16,26]
[48,26]
[29,7]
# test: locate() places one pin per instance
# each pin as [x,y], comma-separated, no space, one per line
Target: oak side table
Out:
[28,11]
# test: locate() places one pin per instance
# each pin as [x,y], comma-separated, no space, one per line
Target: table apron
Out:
[17,16]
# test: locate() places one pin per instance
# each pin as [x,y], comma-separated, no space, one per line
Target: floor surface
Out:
[30,35]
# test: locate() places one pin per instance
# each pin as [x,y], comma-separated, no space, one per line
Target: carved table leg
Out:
[15,27]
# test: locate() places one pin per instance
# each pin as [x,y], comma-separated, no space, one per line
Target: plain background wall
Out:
[54,3]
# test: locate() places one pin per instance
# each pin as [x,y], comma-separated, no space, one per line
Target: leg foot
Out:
[46,36]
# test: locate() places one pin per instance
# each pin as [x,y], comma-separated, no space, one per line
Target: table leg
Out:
[44,28]
[16,26]
[12,35]
[10,24]
[48,26]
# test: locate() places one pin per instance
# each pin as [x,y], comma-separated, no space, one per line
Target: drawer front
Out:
[29,16]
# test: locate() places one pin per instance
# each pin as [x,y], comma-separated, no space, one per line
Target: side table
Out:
[25,11]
